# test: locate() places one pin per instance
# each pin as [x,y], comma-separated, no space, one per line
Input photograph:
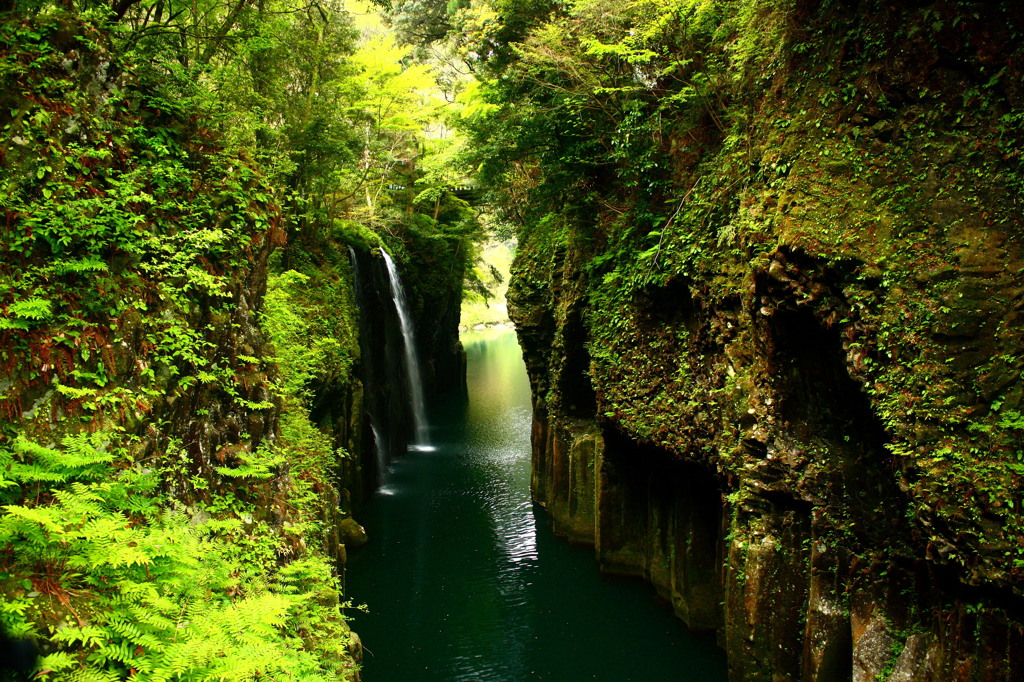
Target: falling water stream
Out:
[412,367]
[465,581]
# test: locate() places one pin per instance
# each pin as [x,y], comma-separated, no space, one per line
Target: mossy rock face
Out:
[137,384]
[836,340]
[135,258]
[351,533]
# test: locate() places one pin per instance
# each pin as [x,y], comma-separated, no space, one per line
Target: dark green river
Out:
[464,579]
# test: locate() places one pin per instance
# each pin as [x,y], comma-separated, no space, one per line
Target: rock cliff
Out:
[148,497]
[795,407]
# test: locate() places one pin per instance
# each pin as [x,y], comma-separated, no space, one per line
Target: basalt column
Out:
[733,456]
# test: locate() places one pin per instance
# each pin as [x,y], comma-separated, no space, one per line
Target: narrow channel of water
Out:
[465,580]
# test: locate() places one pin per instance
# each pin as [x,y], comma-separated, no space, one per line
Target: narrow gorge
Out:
[768,285]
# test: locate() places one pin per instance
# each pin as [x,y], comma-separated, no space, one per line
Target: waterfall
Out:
[412,367]
[357,278]
[378,452]
[379,447]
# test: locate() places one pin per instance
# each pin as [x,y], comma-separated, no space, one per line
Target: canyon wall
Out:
[796,406]
[161,479]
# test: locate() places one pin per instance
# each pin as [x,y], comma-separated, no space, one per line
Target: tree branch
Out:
[121,8]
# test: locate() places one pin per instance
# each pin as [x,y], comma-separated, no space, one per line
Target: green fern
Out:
[151,590]
[27,312]
[87,265]
[94,675]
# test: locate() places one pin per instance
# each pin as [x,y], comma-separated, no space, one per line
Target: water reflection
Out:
[463,586]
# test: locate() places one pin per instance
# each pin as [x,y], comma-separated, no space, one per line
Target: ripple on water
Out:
[519,534]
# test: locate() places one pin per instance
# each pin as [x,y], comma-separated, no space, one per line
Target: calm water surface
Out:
[465,580]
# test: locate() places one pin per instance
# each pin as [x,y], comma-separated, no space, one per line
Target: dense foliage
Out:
[136,542]
[710,176]
[169,508]
[855,163]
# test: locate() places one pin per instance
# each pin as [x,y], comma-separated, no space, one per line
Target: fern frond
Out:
[121,652]
[57,661]
[130,591]
[137,639]
[88,264]
[82,496]
[92,674]
[34,473]
[152,614]
[88,635]
[46,518]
